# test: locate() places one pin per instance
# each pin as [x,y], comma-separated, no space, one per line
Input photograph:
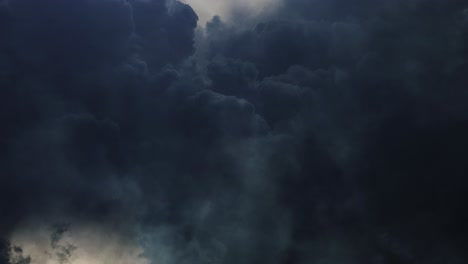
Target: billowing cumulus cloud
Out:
[297,131]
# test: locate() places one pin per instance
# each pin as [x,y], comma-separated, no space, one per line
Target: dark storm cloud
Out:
[278,44]
[98,128]
[73,75]
[327,131]
[360,79]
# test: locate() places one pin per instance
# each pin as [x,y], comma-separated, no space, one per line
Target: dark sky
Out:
[321,131]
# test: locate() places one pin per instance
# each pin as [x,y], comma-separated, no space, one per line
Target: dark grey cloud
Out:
[324,131]
[357,78]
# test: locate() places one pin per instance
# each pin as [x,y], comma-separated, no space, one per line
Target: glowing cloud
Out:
[83,244]
[206,9]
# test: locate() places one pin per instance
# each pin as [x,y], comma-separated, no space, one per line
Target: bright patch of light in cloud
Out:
[206,9]
[80,245]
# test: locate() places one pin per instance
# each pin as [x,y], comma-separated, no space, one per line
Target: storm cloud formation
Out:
[320,132]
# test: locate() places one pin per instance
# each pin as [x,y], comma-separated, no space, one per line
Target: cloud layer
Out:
[316,132]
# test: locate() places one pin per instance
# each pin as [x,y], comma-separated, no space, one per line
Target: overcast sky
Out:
[314,131]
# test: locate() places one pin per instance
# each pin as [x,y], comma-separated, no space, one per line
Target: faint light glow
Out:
[206,9]
[80,245]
